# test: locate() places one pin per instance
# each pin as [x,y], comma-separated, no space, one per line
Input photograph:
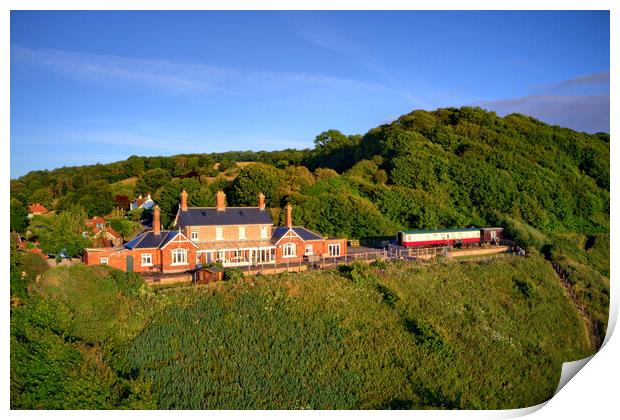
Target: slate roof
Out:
[150,240]
[304,233]
[439,230]
[211,216]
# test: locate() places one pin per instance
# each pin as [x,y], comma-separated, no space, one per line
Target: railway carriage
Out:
[454,237]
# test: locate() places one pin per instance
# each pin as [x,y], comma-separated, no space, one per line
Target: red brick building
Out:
[103,235]
[233,236]
[158,250]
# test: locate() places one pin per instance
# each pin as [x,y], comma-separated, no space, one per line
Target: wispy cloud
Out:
[184,77]
[581,103]
[114,68]
[330,38]
[152,144]
[588,83]
[589,113]
[339,44]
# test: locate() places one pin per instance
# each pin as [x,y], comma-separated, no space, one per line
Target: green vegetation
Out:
[474,334]
[63,232]
[365,336]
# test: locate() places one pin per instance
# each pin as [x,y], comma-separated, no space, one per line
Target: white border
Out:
[591,394]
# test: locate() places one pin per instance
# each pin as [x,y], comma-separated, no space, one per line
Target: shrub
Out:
[233,274]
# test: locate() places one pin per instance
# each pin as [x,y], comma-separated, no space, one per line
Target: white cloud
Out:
[589,113]
[183,77]
[600,79]
[106,68]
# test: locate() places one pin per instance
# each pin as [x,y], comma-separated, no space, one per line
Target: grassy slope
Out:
[460,335]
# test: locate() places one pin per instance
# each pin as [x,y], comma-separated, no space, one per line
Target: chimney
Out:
[261,201]
[183,200]
[289,215]
[220,200]
[156,223]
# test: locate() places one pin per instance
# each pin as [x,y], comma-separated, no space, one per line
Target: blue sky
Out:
[91,87]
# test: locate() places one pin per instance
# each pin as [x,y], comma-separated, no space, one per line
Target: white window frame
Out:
[104,261]
[241,232]
[150,260]
[221,256]
[263,232]
[179,252]
[309,250]
[289,250]
[219,233]
[330,250]
[194,235]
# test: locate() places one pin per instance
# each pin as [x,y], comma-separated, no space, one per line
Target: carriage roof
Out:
[409,232]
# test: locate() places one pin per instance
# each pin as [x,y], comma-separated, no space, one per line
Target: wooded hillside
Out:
[547,186]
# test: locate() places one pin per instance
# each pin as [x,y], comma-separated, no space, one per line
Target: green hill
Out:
[548,186]
[490,335]
[446,335]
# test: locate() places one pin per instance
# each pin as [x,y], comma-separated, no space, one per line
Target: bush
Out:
[34,264]
[233,274]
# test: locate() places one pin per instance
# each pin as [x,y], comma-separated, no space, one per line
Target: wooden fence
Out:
[318,263]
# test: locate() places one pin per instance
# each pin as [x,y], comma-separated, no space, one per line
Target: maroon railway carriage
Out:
[454,237]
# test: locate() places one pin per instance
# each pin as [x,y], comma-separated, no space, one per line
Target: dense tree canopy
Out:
[151,181]
[19,216]
[63,232]
[254,179]
[446,168]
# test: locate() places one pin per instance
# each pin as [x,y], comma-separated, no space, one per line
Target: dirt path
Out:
[594,341]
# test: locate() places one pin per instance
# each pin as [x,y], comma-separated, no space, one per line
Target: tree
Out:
[96,198]
[254,179]
[134,166]
[151,181]
[43,196]
[19,216]
[334,150]
[169,197]
[127,228]
[64,232]
[122,201]
[225,165]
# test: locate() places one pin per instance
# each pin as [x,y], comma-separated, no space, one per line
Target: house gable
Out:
[289,234]
[177,238]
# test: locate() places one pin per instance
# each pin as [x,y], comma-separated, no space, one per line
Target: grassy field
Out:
[447,335]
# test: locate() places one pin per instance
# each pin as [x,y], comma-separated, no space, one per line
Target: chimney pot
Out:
[156,222]
[183,200]
[289,215]
[220,200]
[261,201]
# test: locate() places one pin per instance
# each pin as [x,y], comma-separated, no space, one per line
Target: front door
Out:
[129,263]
